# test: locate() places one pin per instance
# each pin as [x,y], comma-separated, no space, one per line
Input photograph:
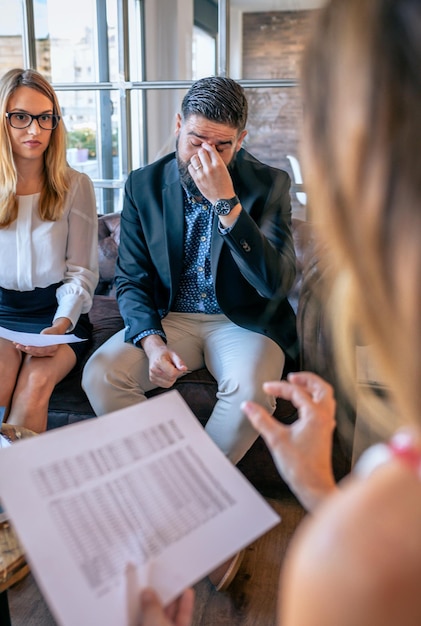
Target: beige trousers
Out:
[117,374]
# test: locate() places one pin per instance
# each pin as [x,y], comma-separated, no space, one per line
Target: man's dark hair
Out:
[219,99]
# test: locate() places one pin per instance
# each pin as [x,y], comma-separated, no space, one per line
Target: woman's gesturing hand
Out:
[302,451]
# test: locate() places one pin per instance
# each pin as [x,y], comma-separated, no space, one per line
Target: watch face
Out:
[222,207]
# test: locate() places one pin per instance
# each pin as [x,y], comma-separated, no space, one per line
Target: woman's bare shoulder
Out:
[360,553]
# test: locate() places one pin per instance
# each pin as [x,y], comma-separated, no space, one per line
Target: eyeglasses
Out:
[46,121]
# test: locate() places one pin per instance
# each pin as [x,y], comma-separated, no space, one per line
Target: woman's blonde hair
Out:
[361,82]
[55,183]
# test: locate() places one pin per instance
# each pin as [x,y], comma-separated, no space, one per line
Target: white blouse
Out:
[37,253]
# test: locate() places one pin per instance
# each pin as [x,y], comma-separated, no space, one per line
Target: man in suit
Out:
[205,262]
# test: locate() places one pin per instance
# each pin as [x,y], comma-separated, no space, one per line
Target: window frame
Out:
[133,129]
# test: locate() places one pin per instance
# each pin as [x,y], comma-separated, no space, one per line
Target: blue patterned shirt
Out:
[195,292]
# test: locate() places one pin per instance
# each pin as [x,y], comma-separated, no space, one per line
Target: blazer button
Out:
[245,245]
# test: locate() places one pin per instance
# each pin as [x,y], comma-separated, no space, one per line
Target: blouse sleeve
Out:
[81,273]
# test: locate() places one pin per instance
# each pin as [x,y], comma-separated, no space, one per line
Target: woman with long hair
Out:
[356,561]
[48,247]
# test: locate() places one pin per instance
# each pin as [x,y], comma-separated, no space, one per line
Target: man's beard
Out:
[186,180]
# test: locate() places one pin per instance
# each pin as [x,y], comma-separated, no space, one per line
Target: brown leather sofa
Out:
[69,403]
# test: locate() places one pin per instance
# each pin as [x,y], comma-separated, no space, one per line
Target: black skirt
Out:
[32,311]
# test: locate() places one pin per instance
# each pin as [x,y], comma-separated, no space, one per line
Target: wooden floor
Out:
[250,600]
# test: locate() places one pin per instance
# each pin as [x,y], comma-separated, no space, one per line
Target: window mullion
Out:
[29,44]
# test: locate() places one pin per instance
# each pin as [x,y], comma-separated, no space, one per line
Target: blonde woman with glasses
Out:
[48,247]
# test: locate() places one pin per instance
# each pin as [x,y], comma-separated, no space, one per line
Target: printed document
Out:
[36,339]
[140,497]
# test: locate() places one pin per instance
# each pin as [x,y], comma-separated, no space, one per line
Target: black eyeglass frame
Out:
[54,118]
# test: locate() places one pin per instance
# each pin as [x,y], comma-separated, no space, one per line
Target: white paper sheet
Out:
[37,340]
[139,497]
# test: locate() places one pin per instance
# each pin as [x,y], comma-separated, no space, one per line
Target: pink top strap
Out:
[402,446]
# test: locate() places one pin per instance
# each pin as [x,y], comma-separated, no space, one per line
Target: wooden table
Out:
[13,566]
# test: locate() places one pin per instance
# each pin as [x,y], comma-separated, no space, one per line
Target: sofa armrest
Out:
[316,344]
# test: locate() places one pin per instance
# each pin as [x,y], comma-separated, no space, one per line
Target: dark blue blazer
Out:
[253,266]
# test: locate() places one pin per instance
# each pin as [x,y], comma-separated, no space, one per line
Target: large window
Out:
[121,67]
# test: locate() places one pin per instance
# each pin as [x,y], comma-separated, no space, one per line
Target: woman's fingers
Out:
[184,613]
[270,429]
[178,613]
[316,386]
[305,390]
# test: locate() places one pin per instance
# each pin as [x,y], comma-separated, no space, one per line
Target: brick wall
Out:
[272,46]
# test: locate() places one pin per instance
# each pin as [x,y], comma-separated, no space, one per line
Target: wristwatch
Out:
[224,206]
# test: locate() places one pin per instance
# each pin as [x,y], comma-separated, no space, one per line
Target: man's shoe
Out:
[223,575]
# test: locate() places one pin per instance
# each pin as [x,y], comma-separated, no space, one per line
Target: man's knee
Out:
[112,377]
[243,389]
[101,375]
[93,372]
